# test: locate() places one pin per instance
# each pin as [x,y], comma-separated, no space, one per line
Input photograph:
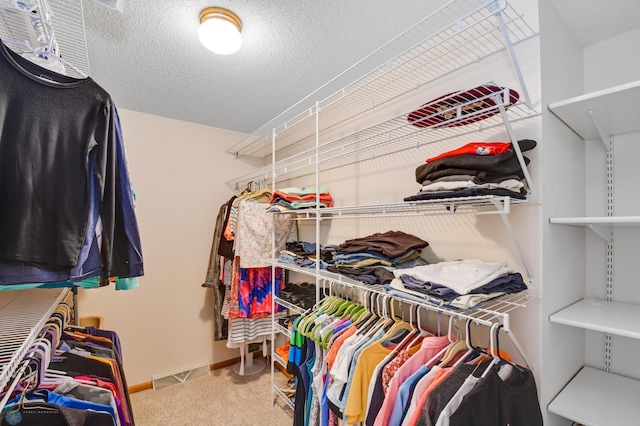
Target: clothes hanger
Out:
[422,333]
[45,51]
[328,331]
[313,313]
[470,348]
[452,350]
[519,368]
[492,350]
[380,319]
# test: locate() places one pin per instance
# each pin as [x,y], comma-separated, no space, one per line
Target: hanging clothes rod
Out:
[480,316]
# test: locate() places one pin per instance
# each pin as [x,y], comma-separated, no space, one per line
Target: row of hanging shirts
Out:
[69,374]
[360,364]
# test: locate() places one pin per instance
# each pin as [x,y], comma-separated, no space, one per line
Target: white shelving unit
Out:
[488,313]
[599,397]
[22,316]
[290,306]
[602,225]
[596,398]
[479,205]
[363,114]
[610,221]
[389,137]
[622,319]
[458,34]
[600,114]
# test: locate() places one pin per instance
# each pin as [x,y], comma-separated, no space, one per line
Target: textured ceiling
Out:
[150,60]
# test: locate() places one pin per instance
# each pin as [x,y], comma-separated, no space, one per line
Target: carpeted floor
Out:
[223,398]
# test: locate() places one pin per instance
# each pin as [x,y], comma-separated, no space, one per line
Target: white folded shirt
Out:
[510,184]
[462,276]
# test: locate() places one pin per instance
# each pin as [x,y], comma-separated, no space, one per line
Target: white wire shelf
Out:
[457,34]
[23,313]
[292,307]
[279,360]
[487,313]
[284,397]
[394,135]
[65,18]
[480,205]
[280,329]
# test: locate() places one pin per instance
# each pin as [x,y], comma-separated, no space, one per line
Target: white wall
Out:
[178,170]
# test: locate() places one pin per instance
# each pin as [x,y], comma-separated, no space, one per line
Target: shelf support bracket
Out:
[516,148]
[498,7]
[605,135]
[601,231]
[514,238]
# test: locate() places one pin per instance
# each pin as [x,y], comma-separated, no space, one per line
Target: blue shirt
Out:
[404,395]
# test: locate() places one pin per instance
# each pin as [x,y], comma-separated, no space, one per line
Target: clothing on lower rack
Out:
[88,388]
[348,371]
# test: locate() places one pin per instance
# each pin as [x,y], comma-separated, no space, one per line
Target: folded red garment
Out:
[324,198]
[477,148]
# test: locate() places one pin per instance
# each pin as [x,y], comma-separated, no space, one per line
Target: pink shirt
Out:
[430,348]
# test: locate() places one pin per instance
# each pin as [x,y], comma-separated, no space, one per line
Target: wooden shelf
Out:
[596,398]
[622,319]
[616,109]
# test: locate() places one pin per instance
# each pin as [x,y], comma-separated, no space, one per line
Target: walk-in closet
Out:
[326,213]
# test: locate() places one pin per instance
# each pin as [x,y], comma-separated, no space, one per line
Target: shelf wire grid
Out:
[23,313]
[66,18]
[284,397]
[487,313]
[479,205]
[469,31]
[396,135]
[295,308]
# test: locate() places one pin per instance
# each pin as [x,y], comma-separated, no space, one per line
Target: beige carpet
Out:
[223,398]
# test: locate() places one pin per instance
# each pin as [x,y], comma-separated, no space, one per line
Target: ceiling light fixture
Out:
[219,30]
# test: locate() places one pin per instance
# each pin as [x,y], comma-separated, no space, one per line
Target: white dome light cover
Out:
[219,30]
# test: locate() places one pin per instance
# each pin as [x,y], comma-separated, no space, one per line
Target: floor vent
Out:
[171,379]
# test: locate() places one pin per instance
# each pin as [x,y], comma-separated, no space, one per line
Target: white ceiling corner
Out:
[596,20]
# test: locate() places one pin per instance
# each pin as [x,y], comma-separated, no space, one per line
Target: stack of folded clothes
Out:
[298,198]
[303,254]
[459,284]
[303,294]
[373,259]
[478,168]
